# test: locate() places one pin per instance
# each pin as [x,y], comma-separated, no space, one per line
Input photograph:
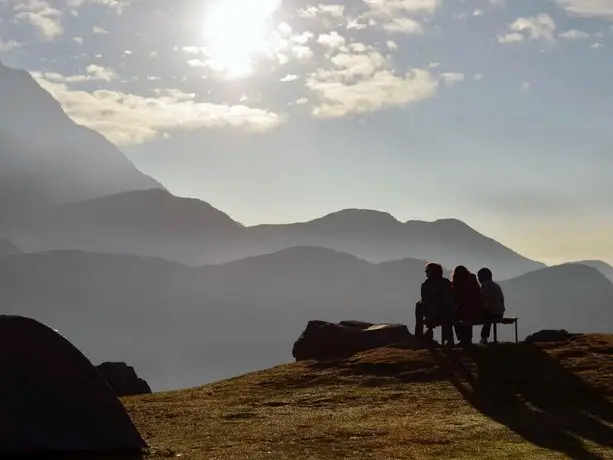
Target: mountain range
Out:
[182,326]
[186,294]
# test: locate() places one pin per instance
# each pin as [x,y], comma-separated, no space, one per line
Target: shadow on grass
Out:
[524,388]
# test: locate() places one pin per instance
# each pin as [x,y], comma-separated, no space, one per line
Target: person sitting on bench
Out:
[493,301]
[468,303]
[436,305]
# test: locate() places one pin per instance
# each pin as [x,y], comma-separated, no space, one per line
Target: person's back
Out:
[493,298]
[437,295]
[468,299]
[493,301]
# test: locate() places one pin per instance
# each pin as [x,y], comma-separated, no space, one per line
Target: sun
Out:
[236,32]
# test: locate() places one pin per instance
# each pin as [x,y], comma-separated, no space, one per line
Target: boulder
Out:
[550,335]
[53,400]
[123,379]
[323,340]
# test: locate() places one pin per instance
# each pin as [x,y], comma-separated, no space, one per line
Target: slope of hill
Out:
[46,159]
[602,267]
[145,222]
[6,248]
[182,326]
[513,401]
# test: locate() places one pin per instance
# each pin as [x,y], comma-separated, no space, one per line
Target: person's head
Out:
[434,270]
[485,274]
[459,273]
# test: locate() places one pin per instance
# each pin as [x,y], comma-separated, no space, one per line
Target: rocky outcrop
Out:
[123,379]
[323,340]
[549,335]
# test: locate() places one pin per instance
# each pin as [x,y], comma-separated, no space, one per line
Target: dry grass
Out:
[506,401]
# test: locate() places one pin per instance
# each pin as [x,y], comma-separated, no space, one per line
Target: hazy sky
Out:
[497,113]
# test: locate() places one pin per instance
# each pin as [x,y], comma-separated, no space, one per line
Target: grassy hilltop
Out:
[507,401]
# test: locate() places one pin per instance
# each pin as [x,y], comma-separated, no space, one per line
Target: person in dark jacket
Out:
[468,302]
[436,304]
[493,301]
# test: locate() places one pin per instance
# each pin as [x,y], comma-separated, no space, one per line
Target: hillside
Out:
[150,223]
[512,401]
[182,326]
[46,159]
[603,267]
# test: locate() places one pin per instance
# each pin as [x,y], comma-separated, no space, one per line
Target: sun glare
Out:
[236,31]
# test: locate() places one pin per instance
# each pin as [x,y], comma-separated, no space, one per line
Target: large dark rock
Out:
[53,400]
[322,340]
[123,379]
[549,335]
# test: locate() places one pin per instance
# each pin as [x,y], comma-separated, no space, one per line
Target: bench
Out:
[480,322]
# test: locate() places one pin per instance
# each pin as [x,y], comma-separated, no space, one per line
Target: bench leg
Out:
[495,332]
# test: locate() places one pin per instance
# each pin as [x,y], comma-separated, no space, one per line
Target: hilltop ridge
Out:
[542,401]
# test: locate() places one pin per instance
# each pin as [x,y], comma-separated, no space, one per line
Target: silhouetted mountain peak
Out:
[357,219]
[601,266]
[47,160]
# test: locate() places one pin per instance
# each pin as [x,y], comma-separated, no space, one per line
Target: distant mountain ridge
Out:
[156,223]
[603,267]
[182,326]
[47,160]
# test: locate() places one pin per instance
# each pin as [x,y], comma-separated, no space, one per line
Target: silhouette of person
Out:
[436,305]
[468,302]
[493,301]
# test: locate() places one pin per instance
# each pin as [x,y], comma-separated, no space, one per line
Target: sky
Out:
[498,113]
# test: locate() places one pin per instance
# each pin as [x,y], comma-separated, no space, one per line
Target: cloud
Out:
[127,119]
[331,40]
[393,7]
[452,78]
[588,8]
[41,15]
[541,26]
[9,45]
[92,73]
[100,30]
[404,25]
[311,12]
[117,5]
[526,86]
[290,77]
[365,82]
[574,34]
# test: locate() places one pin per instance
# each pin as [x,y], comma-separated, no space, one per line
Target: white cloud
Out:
[41,15]
[132,119]
[10,45]
[541,26]
[404,25]
[526,86]
[478,13]
[392,45]
[97,72]
[597,45]
[498,3]
[117,5]
[588,8]
[362,83]
[331,40]
[392,7]
[78,40]
[451,78]
[478,76]
[302,101]
[311,12]
[290,77]
[574,34]
[100,30]
[92,73]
